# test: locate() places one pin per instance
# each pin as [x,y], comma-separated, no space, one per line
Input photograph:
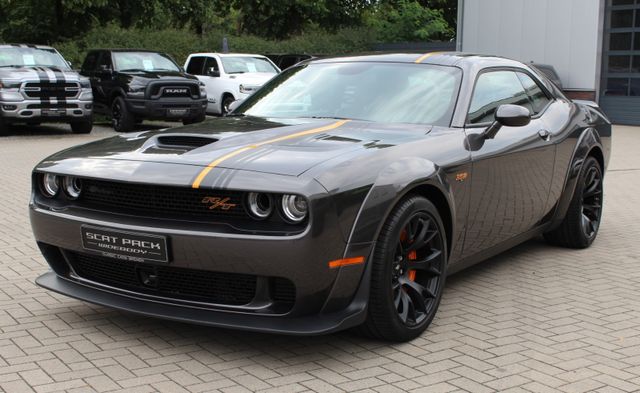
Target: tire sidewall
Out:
[576,203]
[384,253]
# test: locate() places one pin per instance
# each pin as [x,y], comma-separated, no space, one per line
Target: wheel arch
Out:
[436,196]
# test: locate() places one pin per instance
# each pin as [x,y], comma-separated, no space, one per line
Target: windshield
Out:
[143,61]
[378,92]
[242,64]
[31,57]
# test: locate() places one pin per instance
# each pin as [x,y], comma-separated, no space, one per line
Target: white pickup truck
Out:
[229,76]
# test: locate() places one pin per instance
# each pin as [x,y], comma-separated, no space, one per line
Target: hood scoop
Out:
[176,143]
[183,142]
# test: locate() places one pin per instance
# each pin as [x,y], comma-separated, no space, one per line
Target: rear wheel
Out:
[582,221]
[121,118]
[82,127]
[408,272]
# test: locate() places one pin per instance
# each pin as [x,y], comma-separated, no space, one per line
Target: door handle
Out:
[544,134]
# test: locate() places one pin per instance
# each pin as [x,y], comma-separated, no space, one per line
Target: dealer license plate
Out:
[133,246]
[177,112]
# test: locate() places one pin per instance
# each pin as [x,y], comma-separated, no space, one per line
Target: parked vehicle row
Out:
[129,85]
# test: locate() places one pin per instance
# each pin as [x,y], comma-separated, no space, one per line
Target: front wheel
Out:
[227,100]
[82,127]
[408,272]
[121,118]
[580,225]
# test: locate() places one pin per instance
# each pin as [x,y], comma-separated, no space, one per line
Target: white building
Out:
[594,45]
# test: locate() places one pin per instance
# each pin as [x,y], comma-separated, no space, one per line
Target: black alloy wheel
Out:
[581,223]
[417,269]
[121,119]
[591,201]
[408,272]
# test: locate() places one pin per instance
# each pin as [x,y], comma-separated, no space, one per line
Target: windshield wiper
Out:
[133,70]
[235,115]
[237,72]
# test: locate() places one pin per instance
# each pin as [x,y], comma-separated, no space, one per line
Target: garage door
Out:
[621,62]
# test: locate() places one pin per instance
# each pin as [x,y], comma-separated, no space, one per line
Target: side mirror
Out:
[235,104]
[509,116]
[213,72]
[105,70]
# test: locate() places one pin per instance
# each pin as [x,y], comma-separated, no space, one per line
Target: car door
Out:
[207,70]
[102,81]
[511,173]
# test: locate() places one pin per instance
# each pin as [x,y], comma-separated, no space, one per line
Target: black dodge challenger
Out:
[341,194]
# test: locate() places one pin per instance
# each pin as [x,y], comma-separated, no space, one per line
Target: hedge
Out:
[180,43]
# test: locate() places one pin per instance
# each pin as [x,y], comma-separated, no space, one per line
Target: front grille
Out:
[162,201]
[174,282]
[51,89]
[165,90]
[49,105]
[179,283]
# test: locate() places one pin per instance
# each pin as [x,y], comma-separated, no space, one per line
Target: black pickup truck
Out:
[134,85]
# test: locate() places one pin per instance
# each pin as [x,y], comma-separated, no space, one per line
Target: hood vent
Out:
[183,142]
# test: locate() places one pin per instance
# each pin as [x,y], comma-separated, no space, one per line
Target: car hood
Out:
[277,146]
[157,75]
[31,73]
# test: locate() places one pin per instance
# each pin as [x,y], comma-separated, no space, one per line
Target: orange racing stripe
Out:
[426,55]
[213,164]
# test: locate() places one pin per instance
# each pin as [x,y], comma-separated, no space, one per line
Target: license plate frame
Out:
[127,245]
[177,112]
[53,112]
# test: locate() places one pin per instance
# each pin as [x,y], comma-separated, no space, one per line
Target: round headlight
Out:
[50,185]
[260,204]
[294,207]
[72,187]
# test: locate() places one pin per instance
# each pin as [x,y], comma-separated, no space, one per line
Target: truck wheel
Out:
[82,127]
[193,120]
[3,127]
[121,119]
[226,101]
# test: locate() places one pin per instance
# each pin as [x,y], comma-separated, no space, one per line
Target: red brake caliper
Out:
[413,255]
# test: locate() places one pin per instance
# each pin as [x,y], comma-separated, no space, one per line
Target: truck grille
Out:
[162,201]
[174,90]
[51,89]
[178,283]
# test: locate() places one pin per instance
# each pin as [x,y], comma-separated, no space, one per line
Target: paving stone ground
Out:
[534,319]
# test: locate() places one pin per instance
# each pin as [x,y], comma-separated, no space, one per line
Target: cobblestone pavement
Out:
[534,319]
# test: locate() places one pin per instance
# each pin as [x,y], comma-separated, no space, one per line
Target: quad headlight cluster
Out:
[294,208]
[50,185]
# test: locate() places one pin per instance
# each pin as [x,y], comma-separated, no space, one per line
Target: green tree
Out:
[408,20]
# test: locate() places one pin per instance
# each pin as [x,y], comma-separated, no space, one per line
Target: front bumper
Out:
[326,299]
[36,110]
[160,109]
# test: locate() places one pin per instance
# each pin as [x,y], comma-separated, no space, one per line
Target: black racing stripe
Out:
[61,95]
[44,80]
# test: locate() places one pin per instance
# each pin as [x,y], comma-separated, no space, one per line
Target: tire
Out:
[227,99]
[82,127]
[192,120]
[4,128]
[122,119]
[580,225]
[402,304]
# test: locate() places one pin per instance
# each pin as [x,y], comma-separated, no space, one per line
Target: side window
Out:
[493,89]
[90,62]
[211,63]
[105,61]
[195,65]
[538,98]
